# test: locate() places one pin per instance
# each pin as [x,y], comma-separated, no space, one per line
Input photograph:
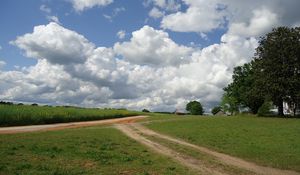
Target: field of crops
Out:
[12,115]
[267,141]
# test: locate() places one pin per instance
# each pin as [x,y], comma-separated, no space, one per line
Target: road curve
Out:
[59,126]
[221,157]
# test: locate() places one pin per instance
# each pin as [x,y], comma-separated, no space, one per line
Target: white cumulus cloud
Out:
[260,23]
[81,5]
[198,18]
[156,13]
[150,70]
[152,47]
[151,75]
[54,43]
[241,17]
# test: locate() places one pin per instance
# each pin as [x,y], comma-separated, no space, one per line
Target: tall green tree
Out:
[229,103]
[243,89]
[195,108]
[278,55]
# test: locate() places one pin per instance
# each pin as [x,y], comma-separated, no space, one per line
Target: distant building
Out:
[177,112]
[220,113]
[288,109]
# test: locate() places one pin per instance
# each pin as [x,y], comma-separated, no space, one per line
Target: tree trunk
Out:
[295,108]
[280,108]
[255,110]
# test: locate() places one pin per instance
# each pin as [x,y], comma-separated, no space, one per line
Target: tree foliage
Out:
[264,110]
[195,108]
[243,89]
[216,109]
[229,104]
[273,74]
[278,55]
[145,110]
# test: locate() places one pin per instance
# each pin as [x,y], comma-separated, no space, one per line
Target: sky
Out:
[153,54]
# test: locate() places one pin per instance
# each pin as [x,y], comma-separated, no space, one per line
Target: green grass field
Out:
[11,115]
[104,150]
[267,141]
[91,150]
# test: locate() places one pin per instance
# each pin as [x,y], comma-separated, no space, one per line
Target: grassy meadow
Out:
[104,150]
[90,150]
[267,141]
[12,115]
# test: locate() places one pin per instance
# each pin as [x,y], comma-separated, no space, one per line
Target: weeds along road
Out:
[59,126]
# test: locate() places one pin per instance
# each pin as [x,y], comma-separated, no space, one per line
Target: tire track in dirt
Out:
[223,158]
[185,160]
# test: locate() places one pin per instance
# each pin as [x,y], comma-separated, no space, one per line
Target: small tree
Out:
[264,110]
[229,104]
[195,108]
[216,109]
[145,110]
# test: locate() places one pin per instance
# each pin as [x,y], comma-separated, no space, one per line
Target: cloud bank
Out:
[149,70]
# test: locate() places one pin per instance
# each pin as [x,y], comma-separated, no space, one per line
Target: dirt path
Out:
[187,161]
[137,132]
[223,158]
[59,126]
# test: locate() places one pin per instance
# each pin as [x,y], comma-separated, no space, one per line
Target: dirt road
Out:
[183,159]
[137,132]
[59,126]
[142,134]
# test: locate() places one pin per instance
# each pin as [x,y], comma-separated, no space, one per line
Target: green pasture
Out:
[267,141]
[91,150]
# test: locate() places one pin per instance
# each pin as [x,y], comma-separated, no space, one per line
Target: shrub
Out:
[265,108]
[145,110]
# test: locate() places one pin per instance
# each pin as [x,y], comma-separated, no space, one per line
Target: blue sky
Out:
[19,17]
[168,51]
